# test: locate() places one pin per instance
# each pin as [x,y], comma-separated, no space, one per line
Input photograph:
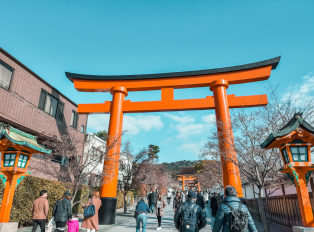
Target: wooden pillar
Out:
[108,190]
[312,187]
[8,195]
[183,184]
[304,199]
[230,170]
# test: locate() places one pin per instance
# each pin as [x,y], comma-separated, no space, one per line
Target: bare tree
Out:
[257,166]
[131,167]
[81,162]
[209,174]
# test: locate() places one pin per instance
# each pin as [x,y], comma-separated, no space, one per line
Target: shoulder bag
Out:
[89,211]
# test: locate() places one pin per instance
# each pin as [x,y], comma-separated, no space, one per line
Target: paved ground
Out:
[126,223]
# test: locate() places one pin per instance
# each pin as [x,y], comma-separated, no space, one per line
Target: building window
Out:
[9,159]
[22,161]
[74,119]
[82,129]
[51,105]
[299,153]
[5,75]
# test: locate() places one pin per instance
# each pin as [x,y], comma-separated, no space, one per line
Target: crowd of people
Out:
[188,206]
[189,211]
[62,213]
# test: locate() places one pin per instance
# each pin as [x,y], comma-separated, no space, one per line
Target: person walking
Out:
[223,218]
[185,220]
[152,200]
[73,224]
[62,211]
[91,223]
[39,209]
[177,201]
[214,204]
[168,197]
[160,206]
[141,211]
[206,198]
[200,200]
[148,198]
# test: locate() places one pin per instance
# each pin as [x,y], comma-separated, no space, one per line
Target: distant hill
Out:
[175,166]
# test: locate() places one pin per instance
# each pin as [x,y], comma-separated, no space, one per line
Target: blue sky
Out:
[143,36]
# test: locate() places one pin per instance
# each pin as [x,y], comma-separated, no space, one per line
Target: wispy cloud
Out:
[193,148]
[133,125]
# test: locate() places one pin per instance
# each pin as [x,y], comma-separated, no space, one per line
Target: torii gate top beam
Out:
[234,75]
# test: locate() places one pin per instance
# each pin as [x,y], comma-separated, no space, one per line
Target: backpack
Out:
[189,220]
[239,219]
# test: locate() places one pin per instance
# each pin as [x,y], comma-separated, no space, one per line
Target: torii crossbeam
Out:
[217,80]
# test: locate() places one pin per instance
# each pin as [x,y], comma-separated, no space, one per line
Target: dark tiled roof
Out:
[273,62]
[187,170]
[294,123]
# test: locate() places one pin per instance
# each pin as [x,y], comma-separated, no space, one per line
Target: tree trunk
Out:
[125,204]
[261,211]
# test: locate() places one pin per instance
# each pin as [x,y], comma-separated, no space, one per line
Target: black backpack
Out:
[239,219]
[189,220]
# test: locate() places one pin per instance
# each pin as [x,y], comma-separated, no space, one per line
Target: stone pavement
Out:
[126,222]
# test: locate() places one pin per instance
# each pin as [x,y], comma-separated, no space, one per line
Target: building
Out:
[32,105]
[94,149]
[188,176]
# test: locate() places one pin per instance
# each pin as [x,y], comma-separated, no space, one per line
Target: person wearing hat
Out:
[62,211]
[181,215]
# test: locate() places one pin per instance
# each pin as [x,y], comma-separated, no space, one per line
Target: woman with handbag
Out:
[62,211]
[91,208]
[160,206]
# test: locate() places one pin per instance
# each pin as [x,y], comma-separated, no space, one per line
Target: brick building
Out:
[32,105]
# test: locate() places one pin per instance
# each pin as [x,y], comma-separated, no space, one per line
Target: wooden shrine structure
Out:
[217,80]
[188,176]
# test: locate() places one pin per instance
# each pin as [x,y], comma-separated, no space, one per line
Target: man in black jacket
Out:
[152,198]
[200,222]
[200,200]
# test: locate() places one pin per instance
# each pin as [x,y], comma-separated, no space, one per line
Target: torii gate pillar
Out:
[230,171]
[108,190]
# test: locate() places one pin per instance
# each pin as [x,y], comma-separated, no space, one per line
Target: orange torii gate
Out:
[217,80]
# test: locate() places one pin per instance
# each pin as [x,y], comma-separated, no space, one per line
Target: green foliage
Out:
[153,150]
[102,135]
[175,166]
[120,202]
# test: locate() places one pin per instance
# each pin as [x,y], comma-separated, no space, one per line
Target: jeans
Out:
[39,222]
[141,218]
[152,207]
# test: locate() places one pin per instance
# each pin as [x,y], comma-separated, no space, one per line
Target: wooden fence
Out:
[283,210]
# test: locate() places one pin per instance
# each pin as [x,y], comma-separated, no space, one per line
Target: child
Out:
[73,224]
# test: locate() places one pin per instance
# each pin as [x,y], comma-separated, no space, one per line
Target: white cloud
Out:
[182,120]
[190,147]
[209,119]
[191,129]
[132,124]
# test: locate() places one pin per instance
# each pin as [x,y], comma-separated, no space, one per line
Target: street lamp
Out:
[16,148]
[294,141]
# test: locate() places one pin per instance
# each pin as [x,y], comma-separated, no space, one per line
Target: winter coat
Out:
[163,206]
[223,216]
[200,201]
[200,216]
[152,197]
[73,225]
[142,207]
[206,196]
[40,208]
[92,222]
[177,202]
[62,211]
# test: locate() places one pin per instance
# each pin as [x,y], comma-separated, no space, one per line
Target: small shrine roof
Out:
[21,138]
[294,123]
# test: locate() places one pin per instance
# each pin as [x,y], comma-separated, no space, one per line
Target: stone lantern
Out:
[16,148]
[294,141]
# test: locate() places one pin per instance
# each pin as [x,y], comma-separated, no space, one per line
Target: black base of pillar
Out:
[107,211]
